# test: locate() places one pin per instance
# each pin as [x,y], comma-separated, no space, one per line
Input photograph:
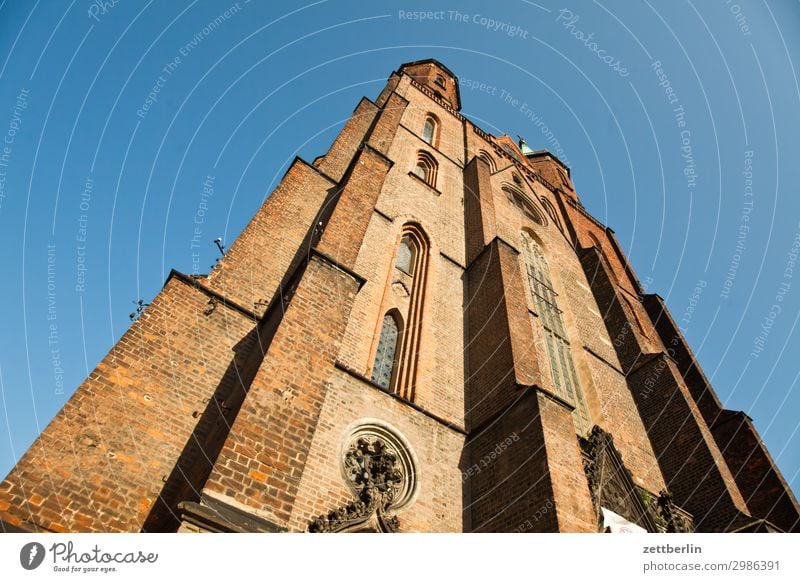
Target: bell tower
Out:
[433,75]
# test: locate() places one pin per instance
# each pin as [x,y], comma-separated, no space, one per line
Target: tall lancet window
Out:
[429,130]
[562,366]
[397,344]
[406,254]
[383,370]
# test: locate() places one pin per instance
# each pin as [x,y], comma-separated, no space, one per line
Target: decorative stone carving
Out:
[610,483]
[674,519]
[400,289]
[611,486]
[380,472]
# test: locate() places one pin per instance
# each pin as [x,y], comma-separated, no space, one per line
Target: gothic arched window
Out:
[425,169]
[486,157]
[562,366]
[383,369]
[429,130]
[406,253]
[397,351]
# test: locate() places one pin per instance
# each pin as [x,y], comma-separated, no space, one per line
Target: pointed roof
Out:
[524,147]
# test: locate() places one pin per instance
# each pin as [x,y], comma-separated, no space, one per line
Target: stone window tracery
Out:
[562,365]
[379,467]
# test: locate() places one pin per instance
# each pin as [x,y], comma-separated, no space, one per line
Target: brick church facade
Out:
[422,330]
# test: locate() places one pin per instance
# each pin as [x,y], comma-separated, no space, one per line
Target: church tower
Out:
[421,330]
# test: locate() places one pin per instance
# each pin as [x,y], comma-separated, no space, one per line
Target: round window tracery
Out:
[374,456]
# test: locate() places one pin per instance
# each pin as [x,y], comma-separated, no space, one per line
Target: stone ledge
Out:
[350,372]
[194,282]
[424,183]
[216,516]
[336,265]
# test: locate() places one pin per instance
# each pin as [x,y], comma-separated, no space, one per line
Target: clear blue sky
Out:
[272,81]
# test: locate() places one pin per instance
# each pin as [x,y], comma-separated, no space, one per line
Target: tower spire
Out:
[524,147]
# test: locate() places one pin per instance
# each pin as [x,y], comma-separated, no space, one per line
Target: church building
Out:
[422,330]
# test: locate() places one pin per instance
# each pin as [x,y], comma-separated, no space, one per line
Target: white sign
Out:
[617,524]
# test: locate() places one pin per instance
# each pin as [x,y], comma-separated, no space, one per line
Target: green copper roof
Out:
[526,150]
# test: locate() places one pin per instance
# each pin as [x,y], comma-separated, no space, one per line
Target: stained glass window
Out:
[384,355]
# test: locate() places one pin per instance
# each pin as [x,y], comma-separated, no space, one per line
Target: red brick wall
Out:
[336,162]
[101,463]
[426,73]
[491,379]
[525,472]
[694,469]
[676,347]
[271,245]
[438,450]
[622,329]
[479,215]
[766,492]
[263,458]
[104,461]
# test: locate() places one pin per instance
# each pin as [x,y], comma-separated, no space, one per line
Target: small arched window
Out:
[486,157]
[425,169]
[385,355]
[422,171]
[440,81]
[406,254]
[429,130]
